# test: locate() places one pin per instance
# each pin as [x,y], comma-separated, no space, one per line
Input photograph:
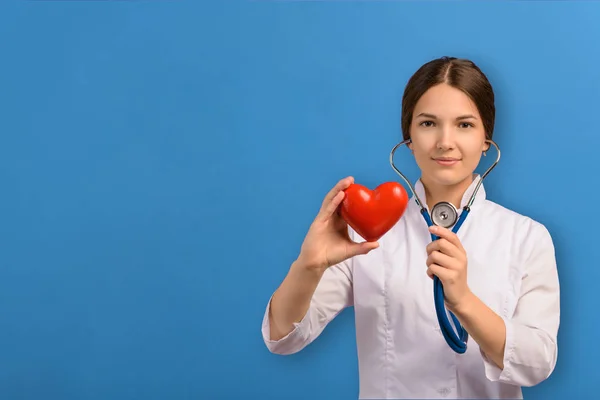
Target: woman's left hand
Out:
[447,259]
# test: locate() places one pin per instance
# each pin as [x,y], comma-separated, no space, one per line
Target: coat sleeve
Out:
[333,294]
[531,349]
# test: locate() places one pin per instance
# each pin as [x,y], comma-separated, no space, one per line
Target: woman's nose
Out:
[445,139]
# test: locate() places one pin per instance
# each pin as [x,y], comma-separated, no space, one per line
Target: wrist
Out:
[302,263]
[306,269]
[464,306]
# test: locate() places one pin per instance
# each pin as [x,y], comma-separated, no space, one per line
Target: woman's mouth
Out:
[446,161]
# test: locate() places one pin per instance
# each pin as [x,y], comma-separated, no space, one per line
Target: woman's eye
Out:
[427,124]
[466,125]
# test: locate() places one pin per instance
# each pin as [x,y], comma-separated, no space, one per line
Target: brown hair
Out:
[459,73]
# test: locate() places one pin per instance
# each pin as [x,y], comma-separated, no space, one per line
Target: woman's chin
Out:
[449,177]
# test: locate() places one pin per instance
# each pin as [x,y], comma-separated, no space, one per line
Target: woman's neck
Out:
[436,193]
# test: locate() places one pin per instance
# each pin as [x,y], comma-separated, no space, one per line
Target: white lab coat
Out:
[401,350]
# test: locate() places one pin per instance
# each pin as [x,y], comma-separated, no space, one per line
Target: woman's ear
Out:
[486,146]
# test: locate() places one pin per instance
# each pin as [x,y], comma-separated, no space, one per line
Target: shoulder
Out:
[522,229]
[506,216]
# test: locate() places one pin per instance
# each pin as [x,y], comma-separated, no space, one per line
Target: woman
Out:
[498,271]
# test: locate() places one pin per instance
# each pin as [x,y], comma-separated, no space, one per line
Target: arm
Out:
[319,284]
[291,300]
[521,350]
[485,327]
[304,304]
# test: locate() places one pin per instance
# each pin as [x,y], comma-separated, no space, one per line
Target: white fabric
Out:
[401,351]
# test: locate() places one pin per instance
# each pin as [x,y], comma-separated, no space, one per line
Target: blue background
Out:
[160,163]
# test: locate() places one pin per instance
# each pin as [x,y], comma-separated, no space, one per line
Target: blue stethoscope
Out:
[446,215]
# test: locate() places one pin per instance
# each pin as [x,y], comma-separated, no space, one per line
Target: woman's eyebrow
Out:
[432,116]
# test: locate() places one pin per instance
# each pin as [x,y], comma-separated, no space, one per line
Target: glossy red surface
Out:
[371,213]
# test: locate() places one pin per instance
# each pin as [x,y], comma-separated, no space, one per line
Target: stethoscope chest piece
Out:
[444,214]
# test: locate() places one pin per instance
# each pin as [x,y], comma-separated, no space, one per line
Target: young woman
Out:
[498,271]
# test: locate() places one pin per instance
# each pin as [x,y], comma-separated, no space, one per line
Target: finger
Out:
[334,204]
[442,259]
[447,234]
[445,275]
[341,185]
[362,248]
[444,246]
[340,225]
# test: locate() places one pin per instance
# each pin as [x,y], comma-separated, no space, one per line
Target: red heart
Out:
[372,213]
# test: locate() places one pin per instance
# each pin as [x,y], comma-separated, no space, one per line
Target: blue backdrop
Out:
[160,163]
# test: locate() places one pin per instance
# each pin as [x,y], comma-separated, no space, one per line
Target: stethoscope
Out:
[446,215]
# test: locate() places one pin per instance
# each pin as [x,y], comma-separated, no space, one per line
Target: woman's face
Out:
[448,136]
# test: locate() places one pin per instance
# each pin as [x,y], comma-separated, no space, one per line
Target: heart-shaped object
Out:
[371,213]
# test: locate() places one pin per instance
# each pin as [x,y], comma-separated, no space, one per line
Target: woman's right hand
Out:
[327,241]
